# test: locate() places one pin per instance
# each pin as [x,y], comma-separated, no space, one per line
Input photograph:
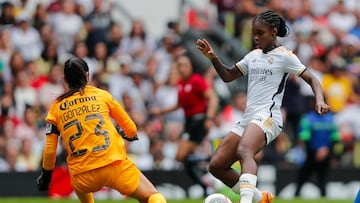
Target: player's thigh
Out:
[225,155]
[253,140]
[89,181]
[124,176]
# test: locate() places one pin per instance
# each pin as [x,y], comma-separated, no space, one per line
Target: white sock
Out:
[247,187]
[257,192]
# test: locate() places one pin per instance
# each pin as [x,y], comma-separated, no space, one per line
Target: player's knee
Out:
[215,169]
[156,198]
[243,152]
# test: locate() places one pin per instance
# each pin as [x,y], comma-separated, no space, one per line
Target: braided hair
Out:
[273,20]
[75,73]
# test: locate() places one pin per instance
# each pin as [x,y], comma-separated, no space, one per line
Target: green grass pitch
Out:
[46,200]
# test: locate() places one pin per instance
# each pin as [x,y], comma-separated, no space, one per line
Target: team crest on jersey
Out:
[271,60]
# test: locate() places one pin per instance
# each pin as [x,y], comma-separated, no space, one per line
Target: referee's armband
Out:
[51,129]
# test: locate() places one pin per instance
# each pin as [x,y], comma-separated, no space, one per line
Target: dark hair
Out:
[274,20]
[75,72]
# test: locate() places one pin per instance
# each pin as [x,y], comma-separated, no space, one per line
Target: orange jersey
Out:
[87,129]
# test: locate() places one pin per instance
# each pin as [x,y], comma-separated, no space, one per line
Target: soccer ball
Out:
[217,198]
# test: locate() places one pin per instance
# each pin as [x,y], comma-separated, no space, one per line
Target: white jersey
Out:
[267,76]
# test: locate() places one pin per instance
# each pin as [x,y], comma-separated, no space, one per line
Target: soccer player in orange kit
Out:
[96,152]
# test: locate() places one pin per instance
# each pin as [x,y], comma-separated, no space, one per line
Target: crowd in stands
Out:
[37,36]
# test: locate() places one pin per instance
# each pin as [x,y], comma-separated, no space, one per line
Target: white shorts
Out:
[266,123]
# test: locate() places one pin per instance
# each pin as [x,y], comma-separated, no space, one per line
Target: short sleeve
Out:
[293,64]
[200,84]
[243,64]
[51,116]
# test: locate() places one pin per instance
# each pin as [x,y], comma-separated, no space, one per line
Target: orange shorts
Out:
[122,176]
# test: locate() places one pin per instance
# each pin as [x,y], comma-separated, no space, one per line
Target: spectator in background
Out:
[139,43]
[55,6]
[81,50]
[114,39]
[29,159]
[172,135]
[105,64]
[170,48]
[337,85]
[348,122]
[139,151]
[356,29]
[67,25]
[120,81]
[52,88]
[37,79]
[341,20]
[49,57]
[220,88]
[170,91]
[24,6]
[47,35]
[317,66]
[7,17]
[226,14]
[6,51]
[16,64]
[40,17]
[28,128]
[293,104]
[25,38]
[9,162]
[152,65]
[142,90]
[97,24]
[24,93]
[8,118]
[318,133]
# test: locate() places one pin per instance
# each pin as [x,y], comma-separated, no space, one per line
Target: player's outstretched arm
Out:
[49,159]
[320,106]
[226,73]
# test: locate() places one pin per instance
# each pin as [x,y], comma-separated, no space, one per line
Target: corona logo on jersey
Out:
[66,104]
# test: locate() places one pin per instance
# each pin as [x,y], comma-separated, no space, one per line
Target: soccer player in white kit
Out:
[267,67]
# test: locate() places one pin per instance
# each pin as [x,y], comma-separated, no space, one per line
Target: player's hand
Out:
[204,46]
[123,135]
[130,139]
[322,108]
[43,181]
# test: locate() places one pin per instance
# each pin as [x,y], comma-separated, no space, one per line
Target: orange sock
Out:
[156,198]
